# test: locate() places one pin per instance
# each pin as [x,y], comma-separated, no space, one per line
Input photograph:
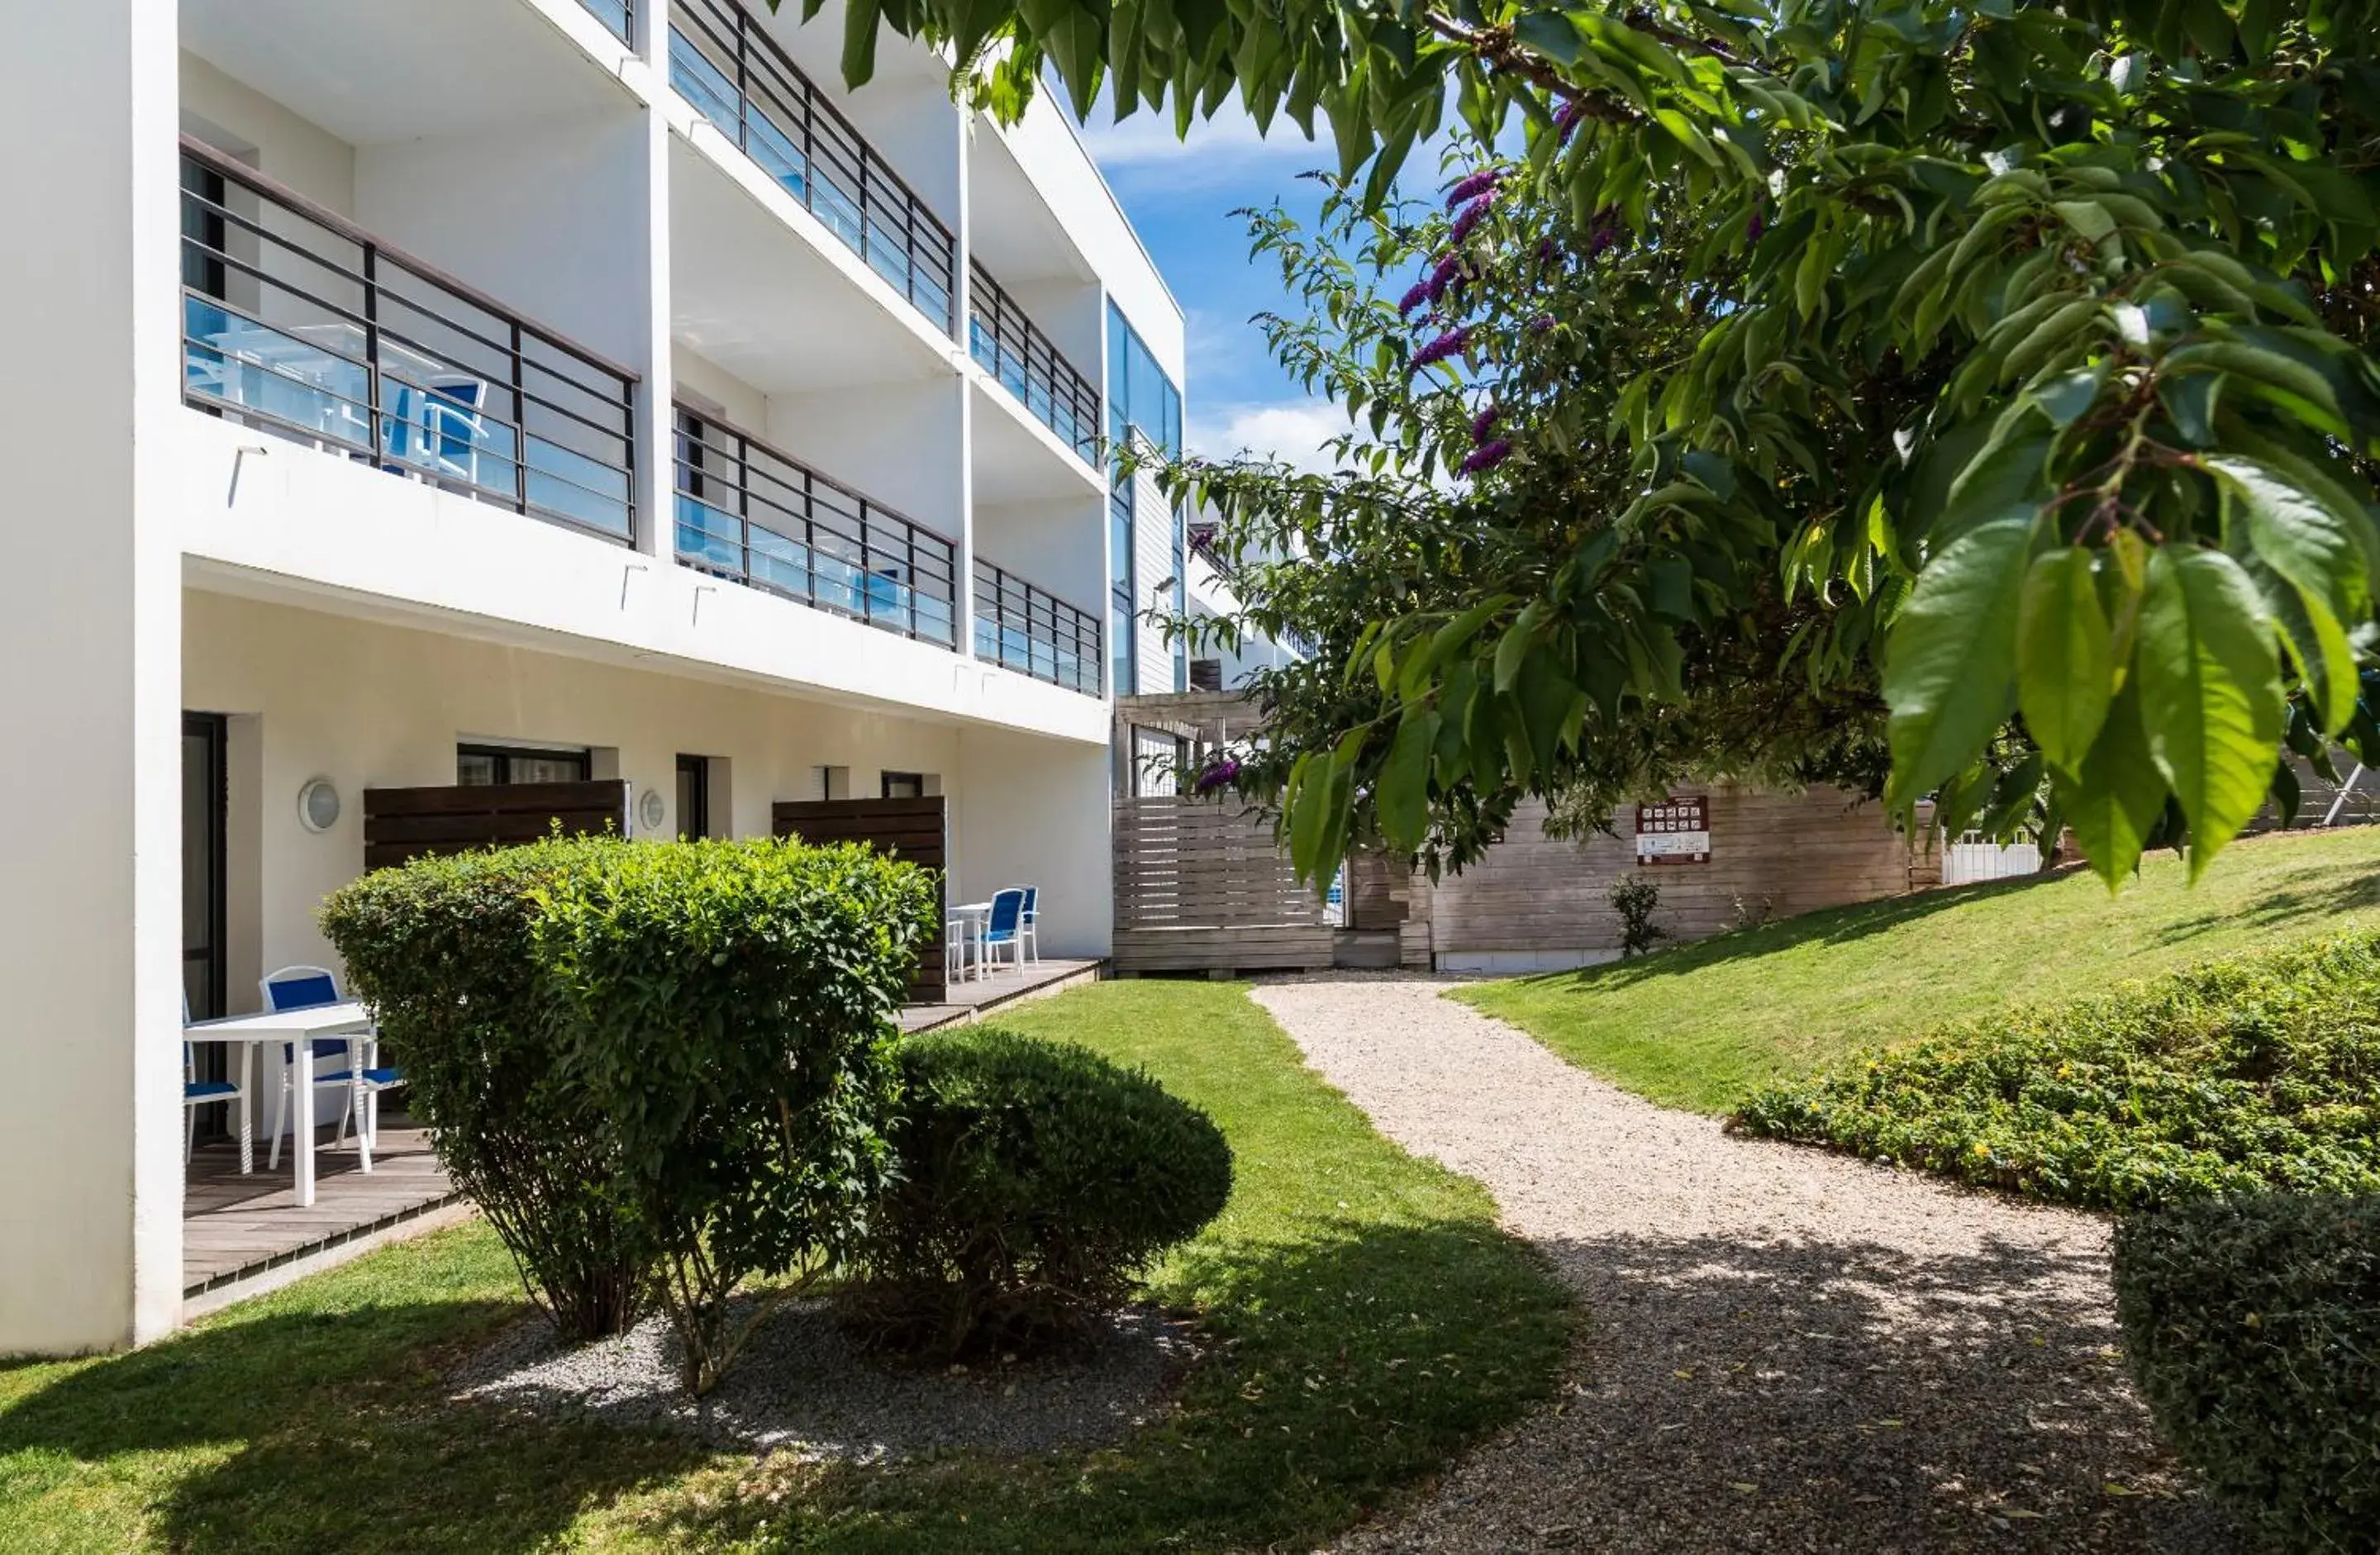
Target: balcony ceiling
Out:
[372,73]
[1014,465]
[754,297]
[1015,233]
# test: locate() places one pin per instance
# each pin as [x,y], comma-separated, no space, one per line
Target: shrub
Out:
[730,1008]
[2235,1076]
[441,950]
[2253,1327]
[1636,898]
[1038,1180]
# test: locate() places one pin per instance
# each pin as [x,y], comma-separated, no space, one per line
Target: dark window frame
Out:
[887,780]
[694,821]
[505,755]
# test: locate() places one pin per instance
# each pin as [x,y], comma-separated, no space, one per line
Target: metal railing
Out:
[742,80]
[299,323]
[1012,348]
[752,514]
[1025,629]
[619,16]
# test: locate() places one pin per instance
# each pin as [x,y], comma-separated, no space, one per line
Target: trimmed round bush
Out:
[442,951]
[2252,1326]
[1038,1182]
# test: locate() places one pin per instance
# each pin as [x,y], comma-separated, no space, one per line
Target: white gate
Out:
[1970,859]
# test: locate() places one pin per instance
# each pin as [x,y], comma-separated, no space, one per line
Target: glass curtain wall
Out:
[1143,400]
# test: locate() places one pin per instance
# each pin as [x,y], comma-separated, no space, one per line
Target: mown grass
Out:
[1702,1026]
[1365,1317]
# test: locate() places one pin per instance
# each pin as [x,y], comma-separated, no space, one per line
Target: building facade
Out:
[487,391]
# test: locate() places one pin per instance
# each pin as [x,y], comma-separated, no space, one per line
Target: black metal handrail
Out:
[1029,363]
[1030,630]
[618,16]
[747,513]
[297,322]
[740,79]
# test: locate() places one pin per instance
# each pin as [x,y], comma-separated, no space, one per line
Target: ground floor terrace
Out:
[299,711]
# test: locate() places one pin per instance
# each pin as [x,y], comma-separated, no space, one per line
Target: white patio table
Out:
[254,1033]
[976,923]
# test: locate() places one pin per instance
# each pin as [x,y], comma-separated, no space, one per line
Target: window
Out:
[480,765]
[694,796]
[904,786]
[1139,394]
[1206,674]
[1120,612]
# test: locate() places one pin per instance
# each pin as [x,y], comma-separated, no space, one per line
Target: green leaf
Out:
[2065,671]
[2210,686]
[2310,546]
[2005,476]
[1510,651]
[1402,792]
[859,23]
[1949,676]
[2115,795]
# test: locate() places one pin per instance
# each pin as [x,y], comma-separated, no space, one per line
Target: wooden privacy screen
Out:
[907,829]
[403,823]
[1203,887]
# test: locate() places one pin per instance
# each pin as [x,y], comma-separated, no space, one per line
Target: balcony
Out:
[1023,628]
[741,80]
[753,515]
[301,325]
[1030,367]
[618,16]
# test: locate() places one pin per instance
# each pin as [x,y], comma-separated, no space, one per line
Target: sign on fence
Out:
[1674,832]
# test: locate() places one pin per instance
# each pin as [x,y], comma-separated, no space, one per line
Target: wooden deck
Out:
[237,1229]
[975,998]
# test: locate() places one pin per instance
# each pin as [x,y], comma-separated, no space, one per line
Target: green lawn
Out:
[1367,1321]
[1700,1026]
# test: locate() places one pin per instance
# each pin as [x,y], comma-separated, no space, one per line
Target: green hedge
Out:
[2253,1325]
[1038,1180]
[670,1059]
[2231,1077]
[441,951]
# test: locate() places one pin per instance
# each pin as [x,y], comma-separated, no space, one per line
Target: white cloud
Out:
[1291,430]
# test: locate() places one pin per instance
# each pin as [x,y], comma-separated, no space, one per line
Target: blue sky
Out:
[1180,195]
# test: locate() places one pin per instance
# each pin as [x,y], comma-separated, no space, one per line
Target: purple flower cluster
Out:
[1480,183]
[1759,225]
[1484,422]
[1217,774]
[1468,220]
[1450,344]
[1486,457]
[1566,119]
[1419,294]
[1541,324]
[1443,277]
[1548,251]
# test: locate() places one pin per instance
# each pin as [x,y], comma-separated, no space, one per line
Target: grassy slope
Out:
[1700,1024]
[1369,1320]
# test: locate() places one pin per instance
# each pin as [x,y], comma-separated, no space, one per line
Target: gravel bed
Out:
[1785,1349]
[802,1387]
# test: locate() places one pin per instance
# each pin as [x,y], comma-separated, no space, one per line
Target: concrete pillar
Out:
[91,607]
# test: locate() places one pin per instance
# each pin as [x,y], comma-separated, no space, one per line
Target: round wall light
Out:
[318,805]
[652,810]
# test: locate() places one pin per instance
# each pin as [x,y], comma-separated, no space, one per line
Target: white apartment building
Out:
[505,389]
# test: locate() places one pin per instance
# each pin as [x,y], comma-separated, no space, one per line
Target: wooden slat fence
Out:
[907,829]
[408,823]
[1201,886]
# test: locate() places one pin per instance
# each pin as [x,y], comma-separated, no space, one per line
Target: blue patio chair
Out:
[198,1093]
[303,988]
[1005,927]
[1030,925]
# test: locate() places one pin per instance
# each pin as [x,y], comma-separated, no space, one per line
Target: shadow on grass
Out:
[313,1431]
[1342,1369]
[1837,1394]
[2280,907]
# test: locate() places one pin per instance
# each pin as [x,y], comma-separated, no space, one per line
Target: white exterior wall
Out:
[354,624]
[1154,570]
[89,918]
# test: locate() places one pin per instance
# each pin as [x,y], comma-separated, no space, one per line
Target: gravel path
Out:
[1785,1349]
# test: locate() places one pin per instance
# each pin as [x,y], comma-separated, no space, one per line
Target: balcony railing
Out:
[1032,632]
[749,514]
[620,16]
[299,323]
[1026,361]
[742,80]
